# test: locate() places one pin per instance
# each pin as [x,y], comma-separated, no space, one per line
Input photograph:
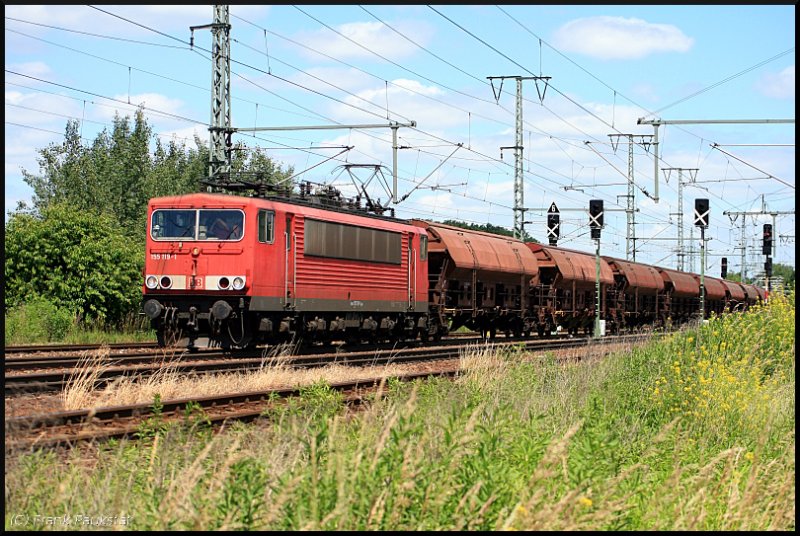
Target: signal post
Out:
[701,211]
[767,250]
[596,224]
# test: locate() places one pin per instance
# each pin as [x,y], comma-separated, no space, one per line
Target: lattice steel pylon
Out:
[630,234]
[519,190]
[220,129]
[681,183]
[220,92]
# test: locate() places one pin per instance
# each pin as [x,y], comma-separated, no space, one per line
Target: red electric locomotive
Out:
[243,270]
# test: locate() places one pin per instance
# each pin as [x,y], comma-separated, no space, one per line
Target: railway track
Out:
[55,374]
[74,350]
[33,348]
[70,427]
[152,354]
[67,427]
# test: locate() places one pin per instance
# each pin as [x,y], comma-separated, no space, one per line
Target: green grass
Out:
[617,444]
[42,322]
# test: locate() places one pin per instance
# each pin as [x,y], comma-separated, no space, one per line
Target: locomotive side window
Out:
[221,224]
[326,239]
[168,224]
[266,226]
[423,248]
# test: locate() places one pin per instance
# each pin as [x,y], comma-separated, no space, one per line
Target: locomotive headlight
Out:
[238,283]
[223,283]
[151,282]
[166,282]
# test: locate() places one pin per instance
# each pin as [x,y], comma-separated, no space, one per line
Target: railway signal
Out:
[553,224]
[724,273]
[596,217]
[701,212]
[767,245]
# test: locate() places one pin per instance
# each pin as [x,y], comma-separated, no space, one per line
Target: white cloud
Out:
[36,69]
[611,38]
[153,104]
[778,85]
[646,91]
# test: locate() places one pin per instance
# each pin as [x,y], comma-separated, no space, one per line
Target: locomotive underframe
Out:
[237,325]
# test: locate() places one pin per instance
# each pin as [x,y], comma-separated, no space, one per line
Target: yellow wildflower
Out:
[585,501]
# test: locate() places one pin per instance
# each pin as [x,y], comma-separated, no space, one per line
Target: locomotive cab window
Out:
[423,248]
[266,226]
[221,224]
[173,224]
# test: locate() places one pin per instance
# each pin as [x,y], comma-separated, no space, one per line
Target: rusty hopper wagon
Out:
[479,280]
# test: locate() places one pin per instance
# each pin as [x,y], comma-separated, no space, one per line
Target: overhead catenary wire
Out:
[479,159]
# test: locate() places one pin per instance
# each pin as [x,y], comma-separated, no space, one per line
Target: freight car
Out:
[239,271]
[638,297]
[478,280]
[565,295]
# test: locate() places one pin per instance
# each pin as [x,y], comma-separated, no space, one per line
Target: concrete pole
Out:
[702,273]
[597,292]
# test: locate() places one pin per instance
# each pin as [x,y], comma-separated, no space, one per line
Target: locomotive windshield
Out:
[193,224]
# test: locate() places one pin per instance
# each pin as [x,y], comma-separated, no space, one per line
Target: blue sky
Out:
[349,64]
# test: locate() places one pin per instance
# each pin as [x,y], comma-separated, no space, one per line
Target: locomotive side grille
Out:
[320,272]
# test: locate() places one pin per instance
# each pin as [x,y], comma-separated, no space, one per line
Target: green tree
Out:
[488,228]
[108,175]
[785,271]
[117,173]
[252,166]
[734,276]
[78,259]
[778,270]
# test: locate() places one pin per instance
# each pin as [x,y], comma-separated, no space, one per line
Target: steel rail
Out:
[55,380]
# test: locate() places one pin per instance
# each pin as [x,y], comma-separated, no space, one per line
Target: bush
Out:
[39,320]
[78,260]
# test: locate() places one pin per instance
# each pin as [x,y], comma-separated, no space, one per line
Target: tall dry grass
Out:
[512,444]
[275,371]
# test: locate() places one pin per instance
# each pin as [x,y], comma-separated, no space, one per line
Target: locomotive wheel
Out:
[424,336]
[168,336]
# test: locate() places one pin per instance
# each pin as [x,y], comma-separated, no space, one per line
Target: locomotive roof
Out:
[217,200]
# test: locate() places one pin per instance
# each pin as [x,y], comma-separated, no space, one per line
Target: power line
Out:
[93,34]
